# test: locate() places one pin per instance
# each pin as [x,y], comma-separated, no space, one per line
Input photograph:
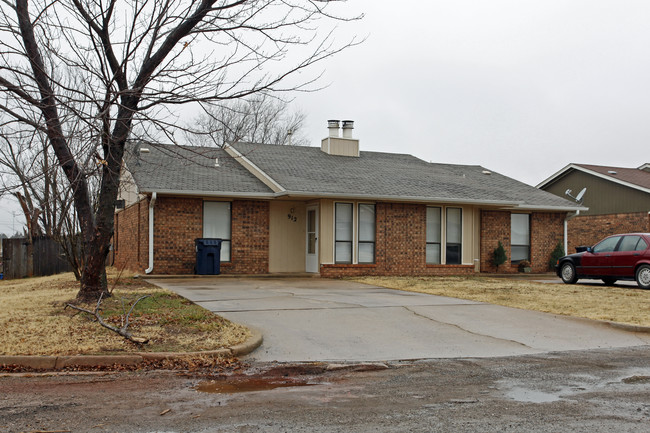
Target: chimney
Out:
[335,144]
[348,126]
[333,126]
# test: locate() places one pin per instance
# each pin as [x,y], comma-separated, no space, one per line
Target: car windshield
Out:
[607,245]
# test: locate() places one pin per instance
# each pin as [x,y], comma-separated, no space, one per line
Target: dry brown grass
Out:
[628,305]
[33,320]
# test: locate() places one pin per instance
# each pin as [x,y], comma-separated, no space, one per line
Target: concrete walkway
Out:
[315,319]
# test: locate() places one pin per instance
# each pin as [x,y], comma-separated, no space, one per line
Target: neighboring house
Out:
[617,198]
[332,210]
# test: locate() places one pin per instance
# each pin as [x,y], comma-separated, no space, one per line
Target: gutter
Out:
[152,202]
[566,230]
[504,204]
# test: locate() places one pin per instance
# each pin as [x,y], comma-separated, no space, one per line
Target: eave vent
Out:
[612,172]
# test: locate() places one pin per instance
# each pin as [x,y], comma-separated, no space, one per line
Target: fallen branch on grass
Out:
[123,331]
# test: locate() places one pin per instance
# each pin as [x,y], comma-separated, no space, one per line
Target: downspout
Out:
[566,230]
[152,202]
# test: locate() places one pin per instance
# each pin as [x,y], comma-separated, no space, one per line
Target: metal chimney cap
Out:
[348,124]
[333,123]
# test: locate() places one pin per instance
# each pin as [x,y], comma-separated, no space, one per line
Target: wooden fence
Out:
[48,258]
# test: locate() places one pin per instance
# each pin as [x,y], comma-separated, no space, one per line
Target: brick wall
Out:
[250,238]
[546,230]
[178,222]
[130,243]
[495,227]
[589,229]
[400,246]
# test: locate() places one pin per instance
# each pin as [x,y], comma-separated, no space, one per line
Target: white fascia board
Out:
[553,208]
[253,169]
[596,174]
[556,175]
[431,200]
[198,193]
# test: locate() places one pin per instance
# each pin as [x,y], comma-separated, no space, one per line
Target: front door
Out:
[311,262]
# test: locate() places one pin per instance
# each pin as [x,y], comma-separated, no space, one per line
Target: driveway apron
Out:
[312,319]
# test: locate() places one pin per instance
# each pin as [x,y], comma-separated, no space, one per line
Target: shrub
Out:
[499,256]
[555,255]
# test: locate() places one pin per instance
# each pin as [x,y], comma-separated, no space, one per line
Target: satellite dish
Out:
[578,198]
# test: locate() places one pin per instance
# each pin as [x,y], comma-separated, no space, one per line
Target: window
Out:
[434,228]
[454,228]
[632,243]
[608,245]
[216,224]
[366,239]
[311,231]
[520,237]
[343,233]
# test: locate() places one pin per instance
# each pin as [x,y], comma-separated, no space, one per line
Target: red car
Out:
[619,257]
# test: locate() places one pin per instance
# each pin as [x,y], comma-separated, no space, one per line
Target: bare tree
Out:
[31,173]
[97,73]
[259,119]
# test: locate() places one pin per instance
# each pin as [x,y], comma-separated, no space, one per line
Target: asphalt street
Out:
[570,392]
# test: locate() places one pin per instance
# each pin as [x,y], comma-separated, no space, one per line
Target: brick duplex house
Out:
[333,210]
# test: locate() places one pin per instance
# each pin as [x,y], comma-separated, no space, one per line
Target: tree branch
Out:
[123,331]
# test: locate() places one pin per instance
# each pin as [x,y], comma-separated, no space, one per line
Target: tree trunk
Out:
[93,277]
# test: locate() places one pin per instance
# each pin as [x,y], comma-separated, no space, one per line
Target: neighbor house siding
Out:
[589,229]
[546,230]
[603,196]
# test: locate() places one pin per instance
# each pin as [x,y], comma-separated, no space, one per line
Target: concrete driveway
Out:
[312,319]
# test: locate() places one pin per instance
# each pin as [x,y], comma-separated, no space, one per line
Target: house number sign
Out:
[291,215]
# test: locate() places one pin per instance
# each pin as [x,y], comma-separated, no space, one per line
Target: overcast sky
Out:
[521,87]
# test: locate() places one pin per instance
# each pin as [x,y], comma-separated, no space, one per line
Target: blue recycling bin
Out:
[208,256]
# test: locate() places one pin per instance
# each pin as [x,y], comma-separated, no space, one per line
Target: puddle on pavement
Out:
[531,396]
[232,386]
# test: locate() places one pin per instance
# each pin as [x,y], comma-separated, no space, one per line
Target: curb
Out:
[60,362]
[631,328]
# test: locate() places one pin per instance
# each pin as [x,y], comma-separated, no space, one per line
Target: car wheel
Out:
[643,276]
[609,281]
[568,273]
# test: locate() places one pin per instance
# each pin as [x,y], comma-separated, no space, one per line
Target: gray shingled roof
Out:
[185,168]
[308,170]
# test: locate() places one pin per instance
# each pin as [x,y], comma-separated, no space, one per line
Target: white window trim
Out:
[355,231]
[443,234]
[530,236]
[203,223]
